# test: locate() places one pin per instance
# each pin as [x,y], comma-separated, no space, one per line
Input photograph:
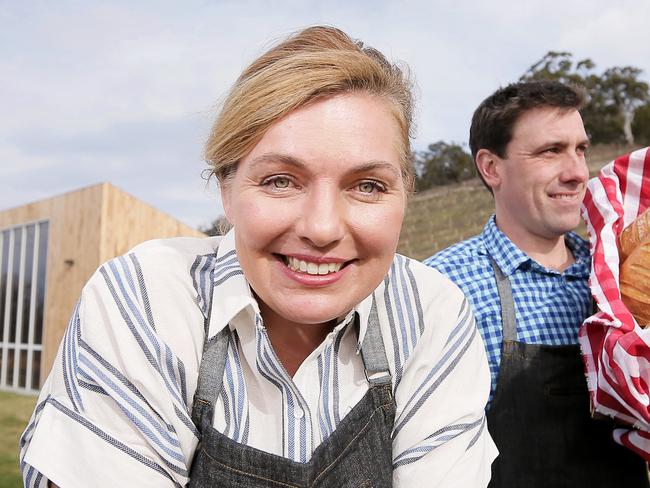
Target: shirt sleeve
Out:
[114,410]
[440,432]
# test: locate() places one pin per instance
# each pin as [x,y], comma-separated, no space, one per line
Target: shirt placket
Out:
[298,434]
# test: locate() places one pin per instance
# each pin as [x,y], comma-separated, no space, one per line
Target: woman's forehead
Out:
[352,127]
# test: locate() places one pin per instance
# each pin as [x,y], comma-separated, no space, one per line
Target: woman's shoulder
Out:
[431,284]
[186,248]
[148,294]
[164,258]
[420,307]
[160,274]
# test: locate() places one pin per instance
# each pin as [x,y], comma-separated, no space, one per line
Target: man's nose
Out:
[322,222]
[575,168]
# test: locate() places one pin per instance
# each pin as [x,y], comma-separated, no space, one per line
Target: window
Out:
[23,261]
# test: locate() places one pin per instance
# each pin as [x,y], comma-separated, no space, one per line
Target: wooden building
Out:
[48,250]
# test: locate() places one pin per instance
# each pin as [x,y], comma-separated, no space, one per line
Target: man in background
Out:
[526,278]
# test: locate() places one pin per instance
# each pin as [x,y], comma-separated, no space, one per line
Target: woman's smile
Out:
[313,266]
[313,272]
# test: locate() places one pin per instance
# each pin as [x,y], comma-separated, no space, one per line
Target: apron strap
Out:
[213,363]
[509,322]
[373,351]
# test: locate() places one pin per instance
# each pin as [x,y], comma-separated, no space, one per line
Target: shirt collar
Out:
[504,252]
[580,250]
[363,310]
[509,257]
[232,295]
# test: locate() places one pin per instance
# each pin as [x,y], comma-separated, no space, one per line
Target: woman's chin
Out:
[301,313]
[312,318]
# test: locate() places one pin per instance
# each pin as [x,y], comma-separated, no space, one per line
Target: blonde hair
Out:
[312,64]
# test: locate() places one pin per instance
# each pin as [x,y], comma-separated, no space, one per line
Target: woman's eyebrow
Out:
[298,163]
[375,165]
[277,158]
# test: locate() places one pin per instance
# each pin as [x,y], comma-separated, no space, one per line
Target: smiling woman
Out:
[297,350]
[322,188]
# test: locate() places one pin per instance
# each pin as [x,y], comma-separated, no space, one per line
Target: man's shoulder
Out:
[462,253]
[466,264]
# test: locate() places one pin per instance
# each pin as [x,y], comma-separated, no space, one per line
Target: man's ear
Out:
[489,165]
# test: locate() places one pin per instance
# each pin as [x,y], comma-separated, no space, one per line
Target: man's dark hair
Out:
[495,117]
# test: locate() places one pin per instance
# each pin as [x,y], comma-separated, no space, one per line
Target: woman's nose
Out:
[322,222]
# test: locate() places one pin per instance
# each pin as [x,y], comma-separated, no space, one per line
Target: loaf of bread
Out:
[634,234]
[634,251]
[635,283]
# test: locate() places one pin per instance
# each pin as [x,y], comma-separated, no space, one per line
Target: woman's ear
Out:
[226,197]
[489,165]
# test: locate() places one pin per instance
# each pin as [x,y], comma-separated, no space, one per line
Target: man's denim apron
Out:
[357,454]
[540,422]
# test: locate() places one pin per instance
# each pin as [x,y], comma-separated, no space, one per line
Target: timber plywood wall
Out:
[74,222]
[86,228]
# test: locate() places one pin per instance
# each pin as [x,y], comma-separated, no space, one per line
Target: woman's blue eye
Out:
[281,182]
[370,187]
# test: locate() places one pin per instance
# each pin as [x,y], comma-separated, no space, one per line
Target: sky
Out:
[126,91]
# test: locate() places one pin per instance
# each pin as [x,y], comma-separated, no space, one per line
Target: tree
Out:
[622,89]
[442,163]
[612,97]
[218,227]
[559,66]
[641,124]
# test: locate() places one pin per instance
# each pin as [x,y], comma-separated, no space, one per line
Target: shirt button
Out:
[298,413]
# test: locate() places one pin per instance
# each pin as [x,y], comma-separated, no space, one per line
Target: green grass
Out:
[442,216]
[15,411]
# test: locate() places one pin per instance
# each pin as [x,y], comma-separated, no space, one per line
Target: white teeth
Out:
[563,197]
[312,268]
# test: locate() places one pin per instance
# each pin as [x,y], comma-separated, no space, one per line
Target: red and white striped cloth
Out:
[615,349]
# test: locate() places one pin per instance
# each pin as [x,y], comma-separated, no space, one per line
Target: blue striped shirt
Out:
[550,306]
[124,378]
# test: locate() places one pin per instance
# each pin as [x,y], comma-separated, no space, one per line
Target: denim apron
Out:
[357,454]
[540,421]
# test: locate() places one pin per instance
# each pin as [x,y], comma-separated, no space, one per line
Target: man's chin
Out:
[562,228]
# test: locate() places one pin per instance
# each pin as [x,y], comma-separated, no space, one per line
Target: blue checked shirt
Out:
[550,306]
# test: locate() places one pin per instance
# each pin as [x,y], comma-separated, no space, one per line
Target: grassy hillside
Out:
[15,411]
[444,215]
